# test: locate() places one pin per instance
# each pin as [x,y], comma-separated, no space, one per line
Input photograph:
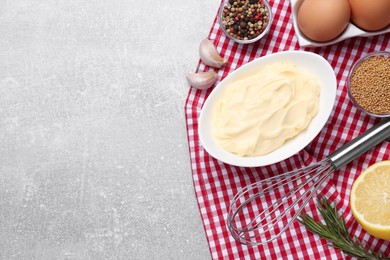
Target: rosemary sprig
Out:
[335,231]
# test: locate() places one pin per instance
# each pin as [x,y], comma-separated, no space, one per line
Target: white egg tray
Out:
[349,32]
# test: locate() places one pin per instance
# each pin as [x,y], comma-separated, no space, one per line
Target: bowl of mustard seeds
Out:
[368,84]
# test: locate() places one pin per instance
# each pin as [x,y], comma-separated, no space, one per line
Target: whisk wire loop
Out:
[246,234]
[246,190]
[284,199]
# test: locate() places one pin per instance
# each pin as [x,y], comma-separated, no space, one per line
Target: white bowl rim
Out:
[309,61]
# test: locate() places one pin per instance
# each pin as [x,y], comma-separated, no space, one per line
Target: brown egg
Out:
[370,15]
[323,20]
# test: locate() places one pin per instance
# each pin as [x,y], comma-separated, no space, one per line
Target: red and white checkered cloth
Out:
[216,183]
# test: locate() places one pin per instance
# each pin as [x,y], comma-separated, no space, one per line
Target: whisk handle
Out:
[361,144]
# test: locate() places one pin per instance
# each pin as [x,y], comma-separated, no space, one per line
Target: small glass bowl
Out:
[352,70]
[265,31]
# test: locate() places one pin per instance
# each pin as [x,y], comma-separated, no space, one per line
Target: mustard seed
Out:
[370,84]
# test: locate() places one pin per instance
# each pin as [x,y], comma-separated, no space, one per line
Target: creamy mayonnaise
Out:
[260,112]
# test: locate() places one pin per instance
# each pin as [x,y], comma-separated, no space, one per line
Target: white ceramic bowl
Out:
[349,32]
[308,61]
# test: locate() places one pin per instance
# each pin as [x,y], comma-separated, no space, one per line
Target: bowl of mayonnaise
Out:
[269,109]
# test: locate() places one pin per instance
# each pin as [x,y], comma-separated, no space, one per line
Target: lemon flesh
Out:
[370,200]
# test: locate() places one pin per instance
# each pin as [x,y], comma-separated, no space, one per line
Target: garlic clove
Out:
[209,55]
[202,80]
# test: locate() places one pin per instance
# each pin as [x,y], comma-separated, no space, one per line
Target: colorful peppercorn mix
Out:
[245,19]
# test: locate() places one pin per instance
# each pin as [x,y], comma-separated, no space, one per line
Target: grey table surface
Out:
[94,159]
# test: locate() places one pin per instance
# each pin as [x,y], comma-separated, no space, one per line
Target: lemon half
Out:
[370,200]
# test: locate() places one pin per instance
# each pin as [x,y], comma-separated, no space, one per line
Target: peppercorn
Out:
[243,25]
[240,18]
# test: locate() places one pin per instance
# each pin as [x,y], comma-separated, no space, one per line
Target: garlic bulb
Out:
[202,80]
[209,54]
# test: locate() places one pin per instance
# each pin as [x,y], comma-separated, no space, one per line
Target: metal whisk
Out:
[273,204]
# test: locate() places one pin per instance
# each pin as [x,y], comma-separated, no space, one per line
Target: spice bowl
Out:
[245,21]
[368,84]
